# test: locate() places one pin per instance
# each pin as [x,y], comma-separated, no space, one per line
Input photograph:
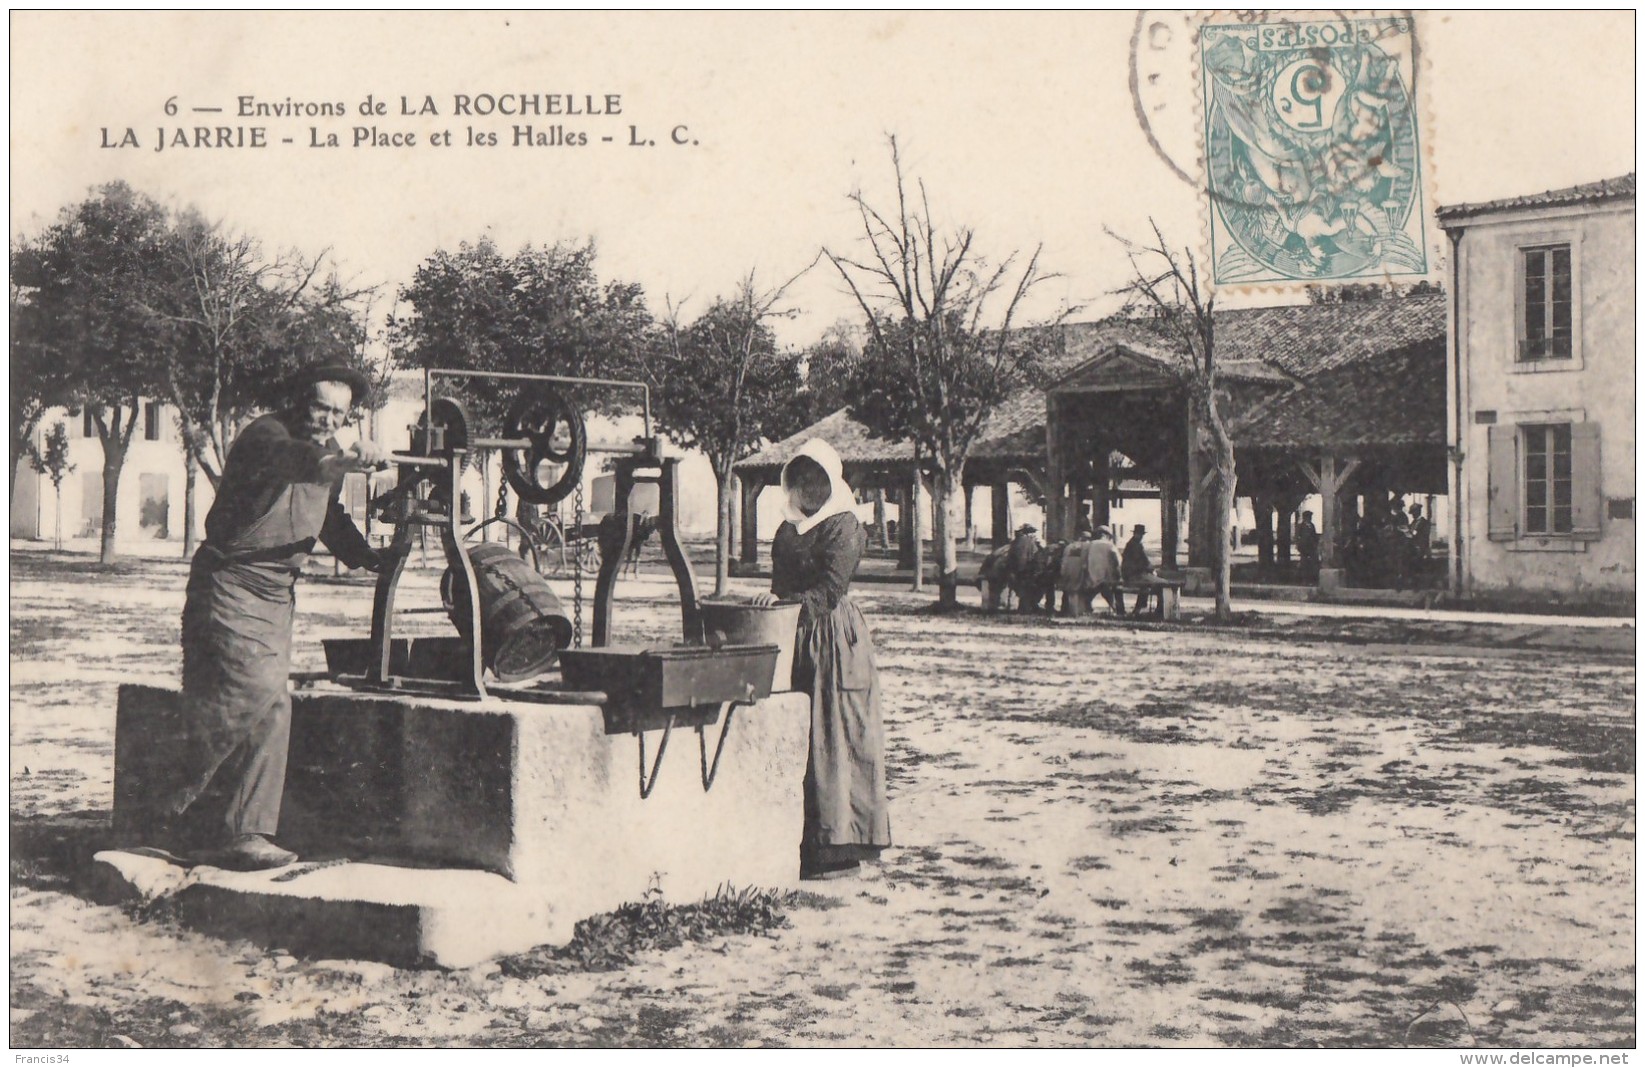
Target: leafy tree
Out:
[40,364]
[541,311]
[89,280]
[831,363]
[53,462]
[1166,285]
[944,345]
[722,385]
[238,324]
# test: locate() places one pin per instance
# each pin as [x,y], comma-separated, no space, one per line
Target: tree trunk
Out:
[879,518]
[725,488]
[947,496]
[114,459]
[57,517]
[916,505]
[1221,499]
[191,473]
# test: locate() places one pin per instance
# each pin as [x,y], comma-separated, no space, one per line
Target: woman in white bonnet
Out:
[813,559]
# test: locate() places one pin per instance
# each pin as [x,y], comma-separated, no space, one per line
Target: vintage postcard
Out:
[787,529]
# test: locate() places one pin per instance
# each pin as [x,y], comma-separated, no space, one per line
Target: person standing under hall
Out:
[278,495]
[1306,539]
[1419,543]
[813,558]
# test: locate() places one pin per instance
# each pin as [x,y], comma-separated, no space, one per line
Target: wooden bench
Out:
[1169,601]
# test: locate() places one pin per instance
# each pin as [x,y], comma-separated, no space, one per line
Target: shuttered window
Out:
[1545,303]
[1543,480]
[1547,479]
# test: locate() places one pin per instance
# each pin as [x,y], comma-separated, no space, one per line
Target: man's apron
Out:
[237,645]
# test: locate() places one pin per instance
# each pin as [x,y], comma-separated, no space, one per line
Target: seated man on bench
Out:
[1138,571]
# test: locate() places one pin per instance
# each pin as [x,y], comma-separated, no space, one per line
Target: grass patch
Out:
[612,940]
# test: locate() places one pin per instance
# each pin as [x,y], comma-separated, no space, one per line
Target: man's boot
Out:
[249,852]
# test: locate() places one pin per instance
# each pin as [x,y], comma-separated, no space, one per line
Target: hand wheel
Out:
[557,436]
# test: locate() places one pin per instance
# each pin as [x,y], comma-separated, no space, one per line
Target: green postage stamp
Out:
[1312,157]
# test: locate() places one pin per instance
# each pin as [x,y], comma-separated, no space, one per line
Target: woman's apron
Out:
[237,637]
[845,802]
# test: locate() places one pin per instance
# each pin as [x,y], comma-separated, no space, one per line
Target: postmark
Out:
[1311,149]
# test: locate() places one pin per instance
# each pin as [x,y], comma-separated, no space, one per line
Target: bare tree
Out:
[237,323]
[723,385]
[241,321]
[1166,286]
[944,347]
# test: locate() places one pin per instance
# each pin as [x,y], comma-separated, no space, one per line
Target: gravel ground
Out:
[1286,832]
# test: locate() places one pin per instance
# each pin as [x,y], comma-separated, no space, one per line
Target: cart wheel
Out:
[588,556]
[551,549]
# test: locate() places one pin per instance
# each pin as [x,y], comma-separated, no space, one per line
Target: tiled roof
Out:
[1295,343]
[1300,339]
[1014,432]
[852,440]
[1396,399]
[1588,193]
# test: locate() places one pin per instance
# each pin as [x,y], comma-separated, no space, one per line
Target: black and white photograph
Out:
[1100,530]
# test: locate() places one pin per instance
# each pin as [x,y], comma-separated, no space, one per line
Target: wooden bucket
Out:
[740,623]
[522,624]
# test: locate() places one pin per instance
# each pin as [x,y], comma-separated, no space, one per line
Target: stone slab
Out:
[403,916]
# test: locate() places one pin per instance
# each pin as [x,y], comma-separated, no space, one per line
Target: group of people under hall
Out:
[220,803]
[1081,569]
[1387,546]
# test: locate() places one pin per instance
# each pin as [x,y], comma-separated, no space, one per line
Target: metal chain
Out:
[577,568]
[502,498]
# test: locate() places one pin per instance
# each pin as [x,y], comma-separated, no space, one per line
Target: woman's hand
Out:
[764,600]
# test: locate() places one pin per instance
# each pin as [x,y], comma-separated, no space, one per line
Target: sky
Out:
[1021,126]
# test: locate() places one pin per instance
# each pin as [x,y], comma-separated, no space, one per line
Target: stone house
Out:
[1541,392]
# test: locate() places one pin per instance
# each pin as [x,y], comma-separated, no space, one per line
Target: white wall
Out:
[1596,386]
[161,460]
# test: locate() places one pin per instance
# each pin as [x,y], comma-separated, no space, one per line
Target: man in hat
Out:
[1138,570]
[278,495]
[1020,566]
[1102,571]
[1071,572]
[1306,539]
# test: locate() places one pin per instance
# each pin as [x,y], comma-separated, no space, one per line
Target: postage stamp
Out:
[1312,158]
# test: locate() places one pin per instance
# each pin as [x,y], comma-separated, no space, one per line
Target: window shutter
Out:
[1503,484]
[1519,305]
[1585,500]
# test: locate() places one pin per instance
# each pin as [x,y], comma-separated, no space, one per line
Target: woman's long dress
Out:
[846,816]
